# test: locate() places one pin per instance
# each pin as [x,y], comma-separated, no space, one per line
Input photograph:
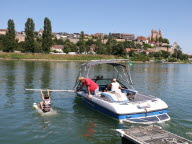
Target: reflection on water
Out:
[29,74]
[94,127]
[46,75]
[74,122]
[89,130]
[10,84]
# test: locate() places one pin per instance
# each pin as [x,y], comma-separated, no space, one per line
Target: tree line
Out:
[32,43]
[35,44]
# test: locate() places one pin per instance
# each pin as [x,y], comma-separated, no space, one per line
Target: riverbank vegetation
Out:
[36,56]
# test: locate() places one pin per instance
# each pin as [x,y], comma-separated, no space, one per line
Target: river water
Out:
[74,123]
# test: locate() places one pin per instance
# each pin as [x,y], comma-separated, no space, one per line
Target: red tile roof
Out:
[57,46]
[3,29]
[141,38]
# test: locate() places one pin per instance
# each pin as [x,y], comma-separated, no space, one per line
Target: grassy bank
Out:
[27,56]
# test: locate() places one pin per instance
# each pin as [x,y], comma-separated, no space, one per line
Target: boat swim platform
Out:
[150,135]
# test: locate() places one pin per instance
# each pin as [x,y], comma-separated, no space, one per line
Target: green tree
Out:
[82,36]
[160,39]
[156,39]
[119,50]
[177,52]
[37,46]
[89,42]
[165,41]
[2,39]
[158,55]
[100,48]
[21,46]
[165,54]
[150,54]
[140,57]
[47,36]
[129,44]
[131,53]
[138,46]
[29,39]
[10,43]
[110,44]
[69,47]
[82,46]
[58,41]
[36,34]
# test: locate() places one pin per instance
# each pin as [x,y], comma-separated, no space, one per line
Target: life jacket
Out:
[46,103]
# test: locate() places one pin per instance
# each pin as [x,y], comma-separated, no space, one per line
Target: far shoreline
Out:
[55,60]
[65,58]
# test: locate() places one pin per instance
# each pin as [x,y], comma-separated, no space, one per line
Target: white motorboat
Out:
[129,105]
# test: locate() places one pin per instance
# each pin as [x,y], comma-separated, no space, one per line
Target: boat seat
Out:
[116,97]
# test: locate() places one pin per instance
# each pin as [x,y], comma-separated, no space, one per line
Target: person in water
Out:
[115,86]
[45,105]
[92,87]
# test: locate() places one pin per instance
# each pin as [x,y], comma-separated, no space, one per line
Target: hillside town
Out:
[138,48]
[152,40]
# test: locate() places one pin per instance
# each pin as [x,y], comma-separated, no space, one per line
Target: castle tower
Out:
[159,33]
[155,34]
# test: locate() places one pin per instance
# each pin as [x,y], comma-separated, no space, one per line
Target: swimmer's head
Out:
[46,96]
[114,80]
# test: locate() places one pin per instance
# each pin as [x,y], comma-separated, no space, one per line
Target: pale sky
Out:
[173,17]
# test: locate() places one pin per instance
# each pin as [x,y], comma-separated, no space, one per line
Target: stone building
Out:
[123,36]
[128,36]
[116,35]
[58,48]
[20,36]
[175,45]
[155,34]
[99,35]
[142,39]
[3,31]
[157,49]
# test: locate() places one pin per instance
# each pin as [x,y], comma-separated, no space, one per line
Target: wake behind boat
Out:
[129,105]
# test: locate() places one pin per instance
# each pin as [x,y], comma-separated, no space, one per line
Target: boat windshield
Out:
[102,72]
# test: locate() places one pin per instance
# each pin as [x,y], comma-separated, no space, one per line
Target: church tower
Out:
[155,34]
[159,34]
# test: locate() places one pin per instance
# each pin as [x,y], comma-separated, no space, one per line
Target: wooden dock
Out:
[150,135]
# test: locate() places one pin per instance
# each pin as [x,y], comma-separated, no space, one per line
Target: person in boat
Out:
[45,105]
[115,86]
[91,86]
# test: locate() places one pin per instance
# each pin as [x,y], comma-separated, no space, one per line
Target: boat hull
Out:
[144,117]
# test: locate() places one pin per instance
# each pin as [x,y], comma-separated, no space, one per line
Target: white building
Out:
[58,48]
